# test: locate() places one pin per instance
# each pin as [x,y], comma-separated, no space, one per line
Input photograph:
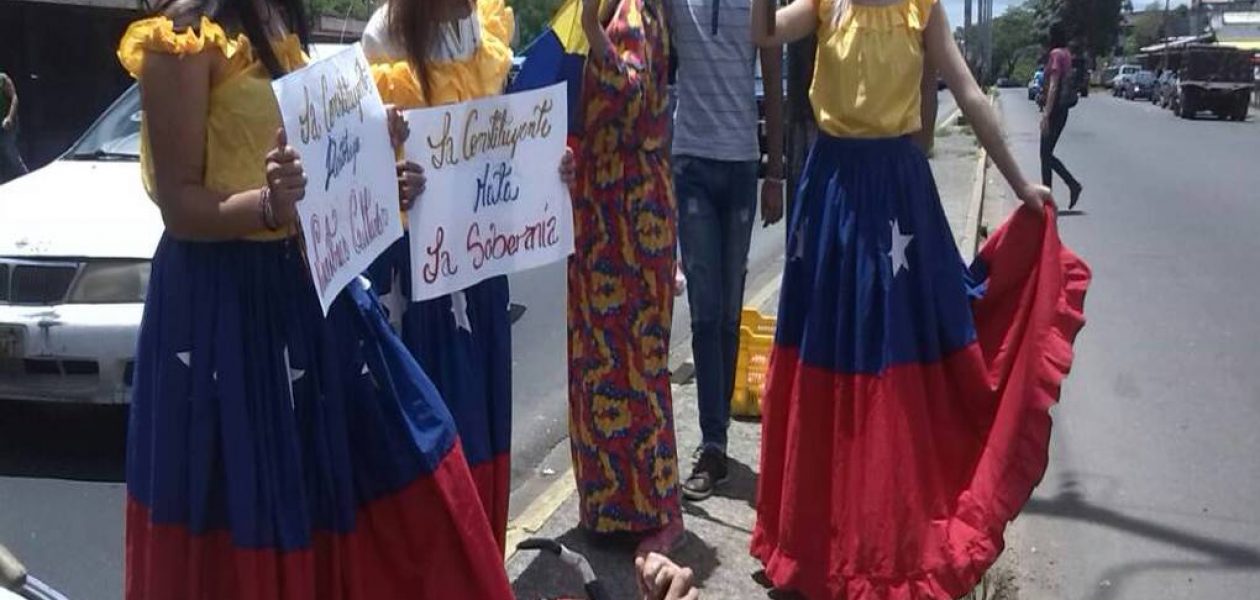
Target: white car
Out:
[76,240]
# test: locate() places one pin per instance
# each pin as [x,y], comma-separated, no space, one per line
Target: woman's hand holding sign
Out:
[411,179]
[286,185]
[411,184]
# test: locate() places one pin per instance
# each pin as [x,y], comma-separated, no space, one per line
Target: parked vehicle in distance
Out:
[1081,73]
[1140,86]
[1213,78]
[1006,82]
[76,242]
[1124,74]
[1165,88]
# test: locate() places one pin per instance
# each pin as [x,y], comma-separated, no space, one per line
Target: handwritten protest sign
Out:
[334,118]
[494,203]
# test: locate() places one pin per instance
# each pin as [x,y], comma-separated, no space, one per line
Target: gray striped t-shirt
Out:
[716,115]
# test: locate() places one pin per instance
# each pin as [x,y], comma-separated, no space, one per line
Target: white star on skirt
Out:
[897,253]
[459,310]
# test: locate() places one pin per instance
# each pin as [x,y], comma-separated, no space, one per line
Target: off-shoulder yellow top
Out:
[243,114]
[868,69]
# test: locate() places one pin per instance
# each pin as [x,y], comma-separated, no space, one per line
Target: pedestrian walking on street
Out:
[716,156]
[428,53]
[1061,95]
[273,451]
[621,281]
[11,165]
[905,419]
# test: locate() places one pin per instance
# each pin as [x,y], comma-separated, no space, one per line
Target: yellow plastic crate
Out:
[756,338]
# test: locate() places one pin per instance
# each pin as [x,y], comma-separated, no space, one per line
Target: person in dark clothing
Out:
[11,165]
[1059,88]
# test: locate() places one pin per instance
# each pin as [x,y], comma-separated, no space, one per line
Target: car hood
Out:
[79,209]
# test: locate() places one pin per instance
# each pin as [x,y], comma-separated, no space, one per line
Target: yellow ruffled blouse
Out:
[481,74]
[243,113]
[868,69]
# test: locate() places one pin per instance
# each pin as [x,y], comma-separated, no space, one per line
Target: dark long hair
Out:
[242,16]
[416,24]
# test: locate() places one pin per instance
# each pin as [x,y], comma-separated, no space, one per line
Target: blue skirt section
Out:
[873,276]
[254,413]
[464,342]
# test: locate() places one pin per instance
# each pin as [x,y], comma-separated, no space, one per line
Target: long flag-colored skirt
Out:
[906,418]
[275,453]
[464,343]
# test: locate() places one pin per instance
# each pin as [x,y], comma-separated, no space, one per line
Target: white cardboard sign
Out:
[334,118]
[494,203]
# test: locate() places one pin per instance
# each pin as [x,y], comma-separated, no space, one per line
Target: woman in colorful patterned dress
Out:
[273,452]
[904,424]
[621,281]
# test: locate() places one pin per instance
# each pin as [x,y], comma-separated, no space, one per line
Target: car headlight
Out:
[111,282]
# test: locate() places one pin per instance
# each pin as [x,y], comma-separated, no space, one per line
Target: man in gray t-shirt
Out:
[716,159]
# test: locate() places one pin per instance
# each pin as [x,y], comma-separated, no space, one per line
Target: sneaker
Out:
[708,472]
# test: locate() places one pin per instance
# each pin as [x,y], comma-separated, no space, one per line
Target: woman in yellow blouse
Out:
[905,420]
[273,452]
[428,53]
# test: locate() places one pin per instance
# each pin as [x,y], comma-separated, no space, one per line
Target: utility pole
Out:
[966,41]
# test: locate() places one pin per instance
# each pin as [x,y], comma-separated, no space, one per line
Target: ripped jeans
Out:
[717,206]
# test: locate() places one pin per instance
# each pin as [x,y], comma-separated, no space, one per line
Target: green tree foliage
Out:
[1152,25]
[1095,24]
[355,9]
[531,17]
[1015,41]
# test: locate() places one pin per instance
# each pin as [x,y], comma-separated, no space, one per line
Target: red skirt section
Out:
[899,485]
[412,544]
[493,480]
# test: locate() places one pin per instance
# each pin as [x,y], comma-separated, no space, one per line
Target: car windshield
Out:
[114,136]
[1144,77]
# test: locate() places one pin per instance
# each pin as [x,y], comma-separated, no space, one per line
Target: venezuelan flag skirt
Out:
[278,454]
[906,418]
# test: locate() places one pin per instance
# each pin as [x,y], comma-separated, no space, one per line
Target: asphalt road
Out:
[61,466]
[1154,480]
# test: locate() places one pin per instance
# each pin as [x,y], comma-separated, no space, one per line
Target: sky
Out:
[955,8]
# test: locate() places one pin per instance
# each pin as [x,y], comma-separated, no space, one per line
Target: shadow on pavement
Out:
[741,483]
[1221,555]
[612,559]
[1072,212]
[63,441]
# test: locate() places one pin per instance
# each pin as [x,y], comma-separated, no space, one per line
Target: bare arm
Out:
[772,187]
[10,90]
[791,23]
[1053,81]
[593,26]
[928,107]
[772,79]
[175,96]
[943,52]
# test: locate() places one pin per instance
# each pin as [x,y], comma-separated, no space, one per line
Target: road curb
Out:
[970,243]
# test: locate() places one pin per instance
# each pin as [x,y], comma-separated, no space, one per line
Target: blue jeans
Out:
[717,205]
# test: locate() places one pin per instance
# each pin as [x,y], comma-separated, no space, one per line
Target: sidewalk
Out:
[720,527]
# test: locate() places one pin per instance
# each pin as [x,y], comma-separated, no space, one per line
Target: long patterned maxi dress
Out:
[621,299]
